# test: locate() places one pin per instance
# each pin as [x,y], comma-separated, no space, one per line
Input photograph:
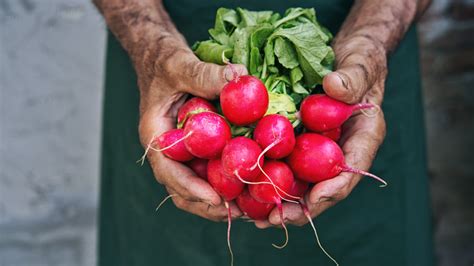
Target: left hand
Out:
[360,76]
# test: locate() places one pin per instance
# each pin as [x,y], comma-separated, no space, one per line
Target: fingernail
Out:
[228,74]
[277,221]
[323,199]
[261,225]
[343,83]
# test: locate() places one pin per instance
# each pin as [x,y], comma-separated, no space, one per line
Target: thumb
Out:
[207,79]
[355,75]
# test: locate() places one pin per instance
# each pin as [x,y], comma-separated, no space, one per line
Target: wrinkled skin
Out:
[168,70]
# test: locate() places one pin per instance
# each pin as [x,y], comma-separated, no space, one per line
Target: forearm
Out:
[383,22]
[145,30]
[138,24]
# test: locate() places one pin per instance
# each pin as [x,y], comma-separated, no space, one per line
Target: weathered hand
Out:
[167,70]
[166,74]
[360,76]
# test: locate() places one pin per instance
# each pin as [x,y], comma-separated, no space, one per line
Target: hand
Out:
[166,73]
[360,77]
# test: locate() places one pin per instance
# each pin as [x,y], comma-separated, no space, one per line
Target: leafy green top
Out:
[289,53]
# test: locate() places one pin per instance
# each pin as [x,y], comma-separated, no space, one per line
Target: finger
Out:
[173,174]
[262,224]
[334,189]
[294,213]
[359,65]
[206,79]
[215,213]
[236,212]
[290,210]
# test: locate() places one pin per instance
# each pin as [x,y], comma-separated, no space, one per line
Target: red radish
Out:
[320,112]
[316,158]
[227,186]
[282,177]
[276,133]
[193,106]
[206,134]
[334,134]
[244,100]
[171,145]
[239,158]
[298,188]
[199,166]
[253,208]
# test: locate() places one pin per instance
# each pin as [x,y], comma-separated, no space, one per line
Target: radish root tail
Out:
[229,225]
[308,216]
[164,200]
[280,210]
[357,171]
[273,144]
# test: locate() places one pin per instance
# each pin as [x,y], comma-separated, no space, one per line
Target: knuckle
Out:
[142,129]
[190,197]
[159,179]
[185,194]
[194,71]
[336,196]
[342,195]
[180,203]
[171,63]
[217,218]
[383,129]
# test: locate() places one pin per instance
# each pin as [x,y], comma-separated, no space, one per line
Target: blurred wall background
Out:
[51,55]
[447,54]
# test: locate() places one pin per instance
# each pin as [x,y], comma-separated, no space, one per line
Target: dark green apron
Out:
[373,226]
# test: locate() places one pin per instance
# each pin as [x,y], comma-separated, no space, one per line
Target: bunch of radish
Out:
[272,166]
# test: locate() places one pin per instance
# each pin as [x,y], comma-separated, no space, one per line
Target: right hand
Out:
[167,70]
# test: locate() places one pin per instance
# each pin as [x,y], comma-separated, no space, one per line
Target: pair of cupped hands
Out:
[168,71]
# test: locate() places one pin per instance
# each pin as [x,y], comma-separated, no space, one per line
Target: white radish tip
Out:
[280,210]
[164,200]
[306,213]
[229,225]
